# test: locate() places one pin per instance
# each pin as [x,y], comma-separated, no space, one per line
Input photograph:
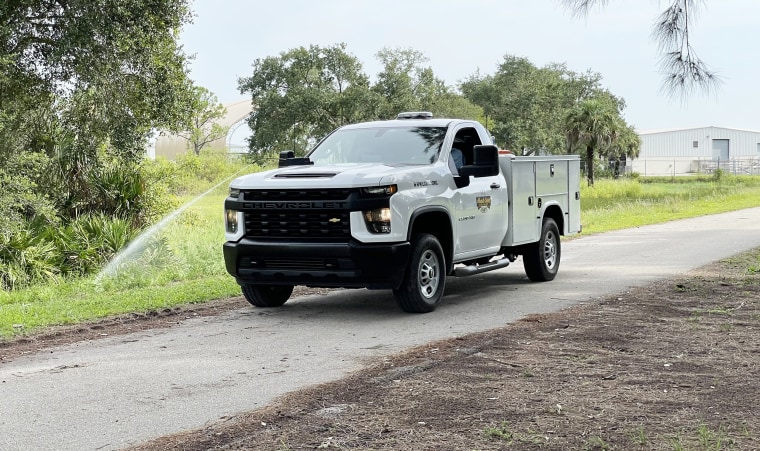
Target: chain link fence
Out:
[673,166]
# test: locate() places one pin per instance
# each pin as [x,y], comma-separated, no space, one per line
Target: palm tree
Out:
[593,124]
[627,143]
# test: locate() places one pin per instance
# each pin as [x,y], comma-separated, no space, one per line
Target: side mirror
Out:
[288,158]
[485,162]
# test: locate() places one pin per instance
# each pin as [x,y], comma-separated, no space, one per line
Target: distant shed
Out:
[703,149]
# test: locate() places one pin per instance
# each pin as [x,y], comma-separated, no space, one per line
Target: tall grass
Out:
[184,263]
[631,202]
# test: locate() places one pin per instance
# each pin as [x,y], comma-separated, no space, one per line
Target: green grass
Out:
[184,263]
[619,204]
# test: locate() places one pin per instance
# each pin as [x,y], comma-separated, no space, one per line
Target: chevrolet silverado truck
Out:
[382,205]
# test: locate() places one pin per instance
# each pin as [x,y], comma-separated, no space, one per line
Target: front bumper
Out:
[352,264]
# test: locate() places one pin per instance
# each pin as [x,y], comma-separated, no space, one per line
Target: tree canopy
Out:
[305,93]
[525,105]
[103,71]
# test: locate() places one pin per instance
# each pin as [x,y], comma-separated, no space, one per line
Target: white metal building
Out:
[693,150]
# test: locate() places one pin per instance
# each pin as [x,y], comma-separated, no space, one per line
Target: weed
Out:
[500,432]
[639,436]
[713,440]
[676,443]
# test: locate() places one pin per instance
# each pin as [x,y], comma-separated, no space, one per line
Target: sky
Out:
[462,37]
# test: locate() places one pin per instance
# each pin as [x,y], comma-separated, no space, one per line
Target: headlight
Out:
[235,192]
[231,217]
[379,220]
[372,191]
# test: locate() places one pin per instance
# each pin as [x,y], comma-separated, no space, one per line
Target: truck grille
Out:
[279,223]
[297,224]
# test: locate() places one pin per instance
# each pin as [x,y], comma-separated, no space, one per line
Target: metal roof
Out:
[670,130]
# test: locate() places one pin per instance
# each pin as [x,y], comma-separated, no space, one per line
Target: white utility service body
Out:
[383,205]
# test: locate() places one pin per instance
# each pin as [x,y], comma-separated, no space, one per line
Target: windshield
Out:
[387,145]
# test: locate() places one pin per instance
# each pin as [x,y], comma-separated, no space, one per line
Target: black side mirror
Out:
[485,162]
[288,158]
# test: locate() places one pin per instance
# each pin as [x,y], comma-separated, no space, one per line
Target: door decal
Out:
[483,203]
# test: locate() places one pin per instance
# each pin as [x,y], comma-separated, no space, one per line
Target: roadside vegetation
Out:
[614,204]
[182,263]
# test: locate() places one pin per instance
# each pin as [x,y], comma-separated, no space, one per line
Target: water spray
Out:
[139,244]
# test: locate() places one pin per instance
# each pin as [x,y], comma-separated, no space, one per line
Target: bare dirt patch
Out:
[674,365]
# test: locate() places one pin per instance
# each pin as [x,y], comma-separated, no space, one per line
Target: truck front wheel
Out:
[541,260]
[267,295]
[425,276]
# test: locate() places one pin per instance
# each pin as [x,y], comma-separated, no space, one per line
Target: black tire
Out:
[267,295]
[425,277]
[541,260]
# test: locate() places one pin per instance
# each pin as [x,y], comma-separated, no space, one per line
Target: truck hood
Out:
[335,176]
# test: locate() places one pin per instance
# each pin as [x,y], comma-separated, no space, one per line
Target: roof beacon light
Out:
[415,115]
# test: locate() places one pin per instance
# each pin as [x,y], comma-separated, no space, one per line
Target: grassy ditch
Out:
[183,263]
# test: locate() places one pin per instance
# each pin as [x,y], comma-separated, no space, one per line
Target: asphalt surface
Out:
[121,391]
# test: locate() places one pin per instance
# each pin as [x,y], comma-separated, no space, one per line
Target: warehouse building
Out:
[697,150]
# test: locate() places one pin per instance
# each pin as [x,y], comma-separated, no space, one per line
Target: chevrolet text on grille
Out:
[297,205]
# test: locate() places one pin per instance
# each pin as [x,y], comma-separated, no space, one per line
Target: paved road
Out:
[112,393]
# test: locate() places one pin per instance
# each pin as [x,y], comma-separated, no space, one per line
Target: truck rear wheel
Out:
[541,261]
[425,278]
[267,295]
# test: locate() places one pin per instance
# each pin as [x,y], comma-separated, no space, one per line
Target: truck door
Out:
[480,207]
[481,215]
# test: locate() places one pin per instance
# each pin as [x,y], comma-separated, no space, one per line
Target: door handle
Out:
[495,186]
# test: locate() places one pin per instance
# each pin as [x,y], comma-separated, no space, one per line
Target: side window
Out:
[465,140]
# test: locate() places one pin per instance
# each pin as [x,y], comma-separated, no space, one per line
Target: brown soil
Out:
[674,365]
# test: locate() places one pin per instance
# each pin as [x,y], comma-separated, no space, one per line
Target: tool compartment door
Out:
[523,210]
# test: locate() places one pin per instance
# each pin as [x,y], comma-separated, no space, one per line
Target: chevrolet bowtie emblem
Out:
[334,220]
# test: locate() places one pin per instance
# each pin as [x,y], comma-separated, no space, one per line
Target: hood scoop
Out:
[306,175]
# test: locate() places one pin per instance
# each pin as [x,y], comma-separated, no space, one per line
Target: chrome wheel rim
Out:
[550,250]
[428,274]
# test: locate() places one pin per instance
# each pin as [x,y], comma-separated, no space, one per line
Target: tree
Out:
[684,72]
[303,94]
[594,126]
[202,121]
[111,70]
[525,105]
[404,84]
[627,144]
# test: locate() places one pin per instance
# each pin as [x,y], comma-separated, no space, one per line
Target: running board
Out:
[477,269]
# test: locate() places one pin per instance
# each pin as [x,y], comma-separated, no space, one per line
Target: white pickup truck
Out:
[383,205]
